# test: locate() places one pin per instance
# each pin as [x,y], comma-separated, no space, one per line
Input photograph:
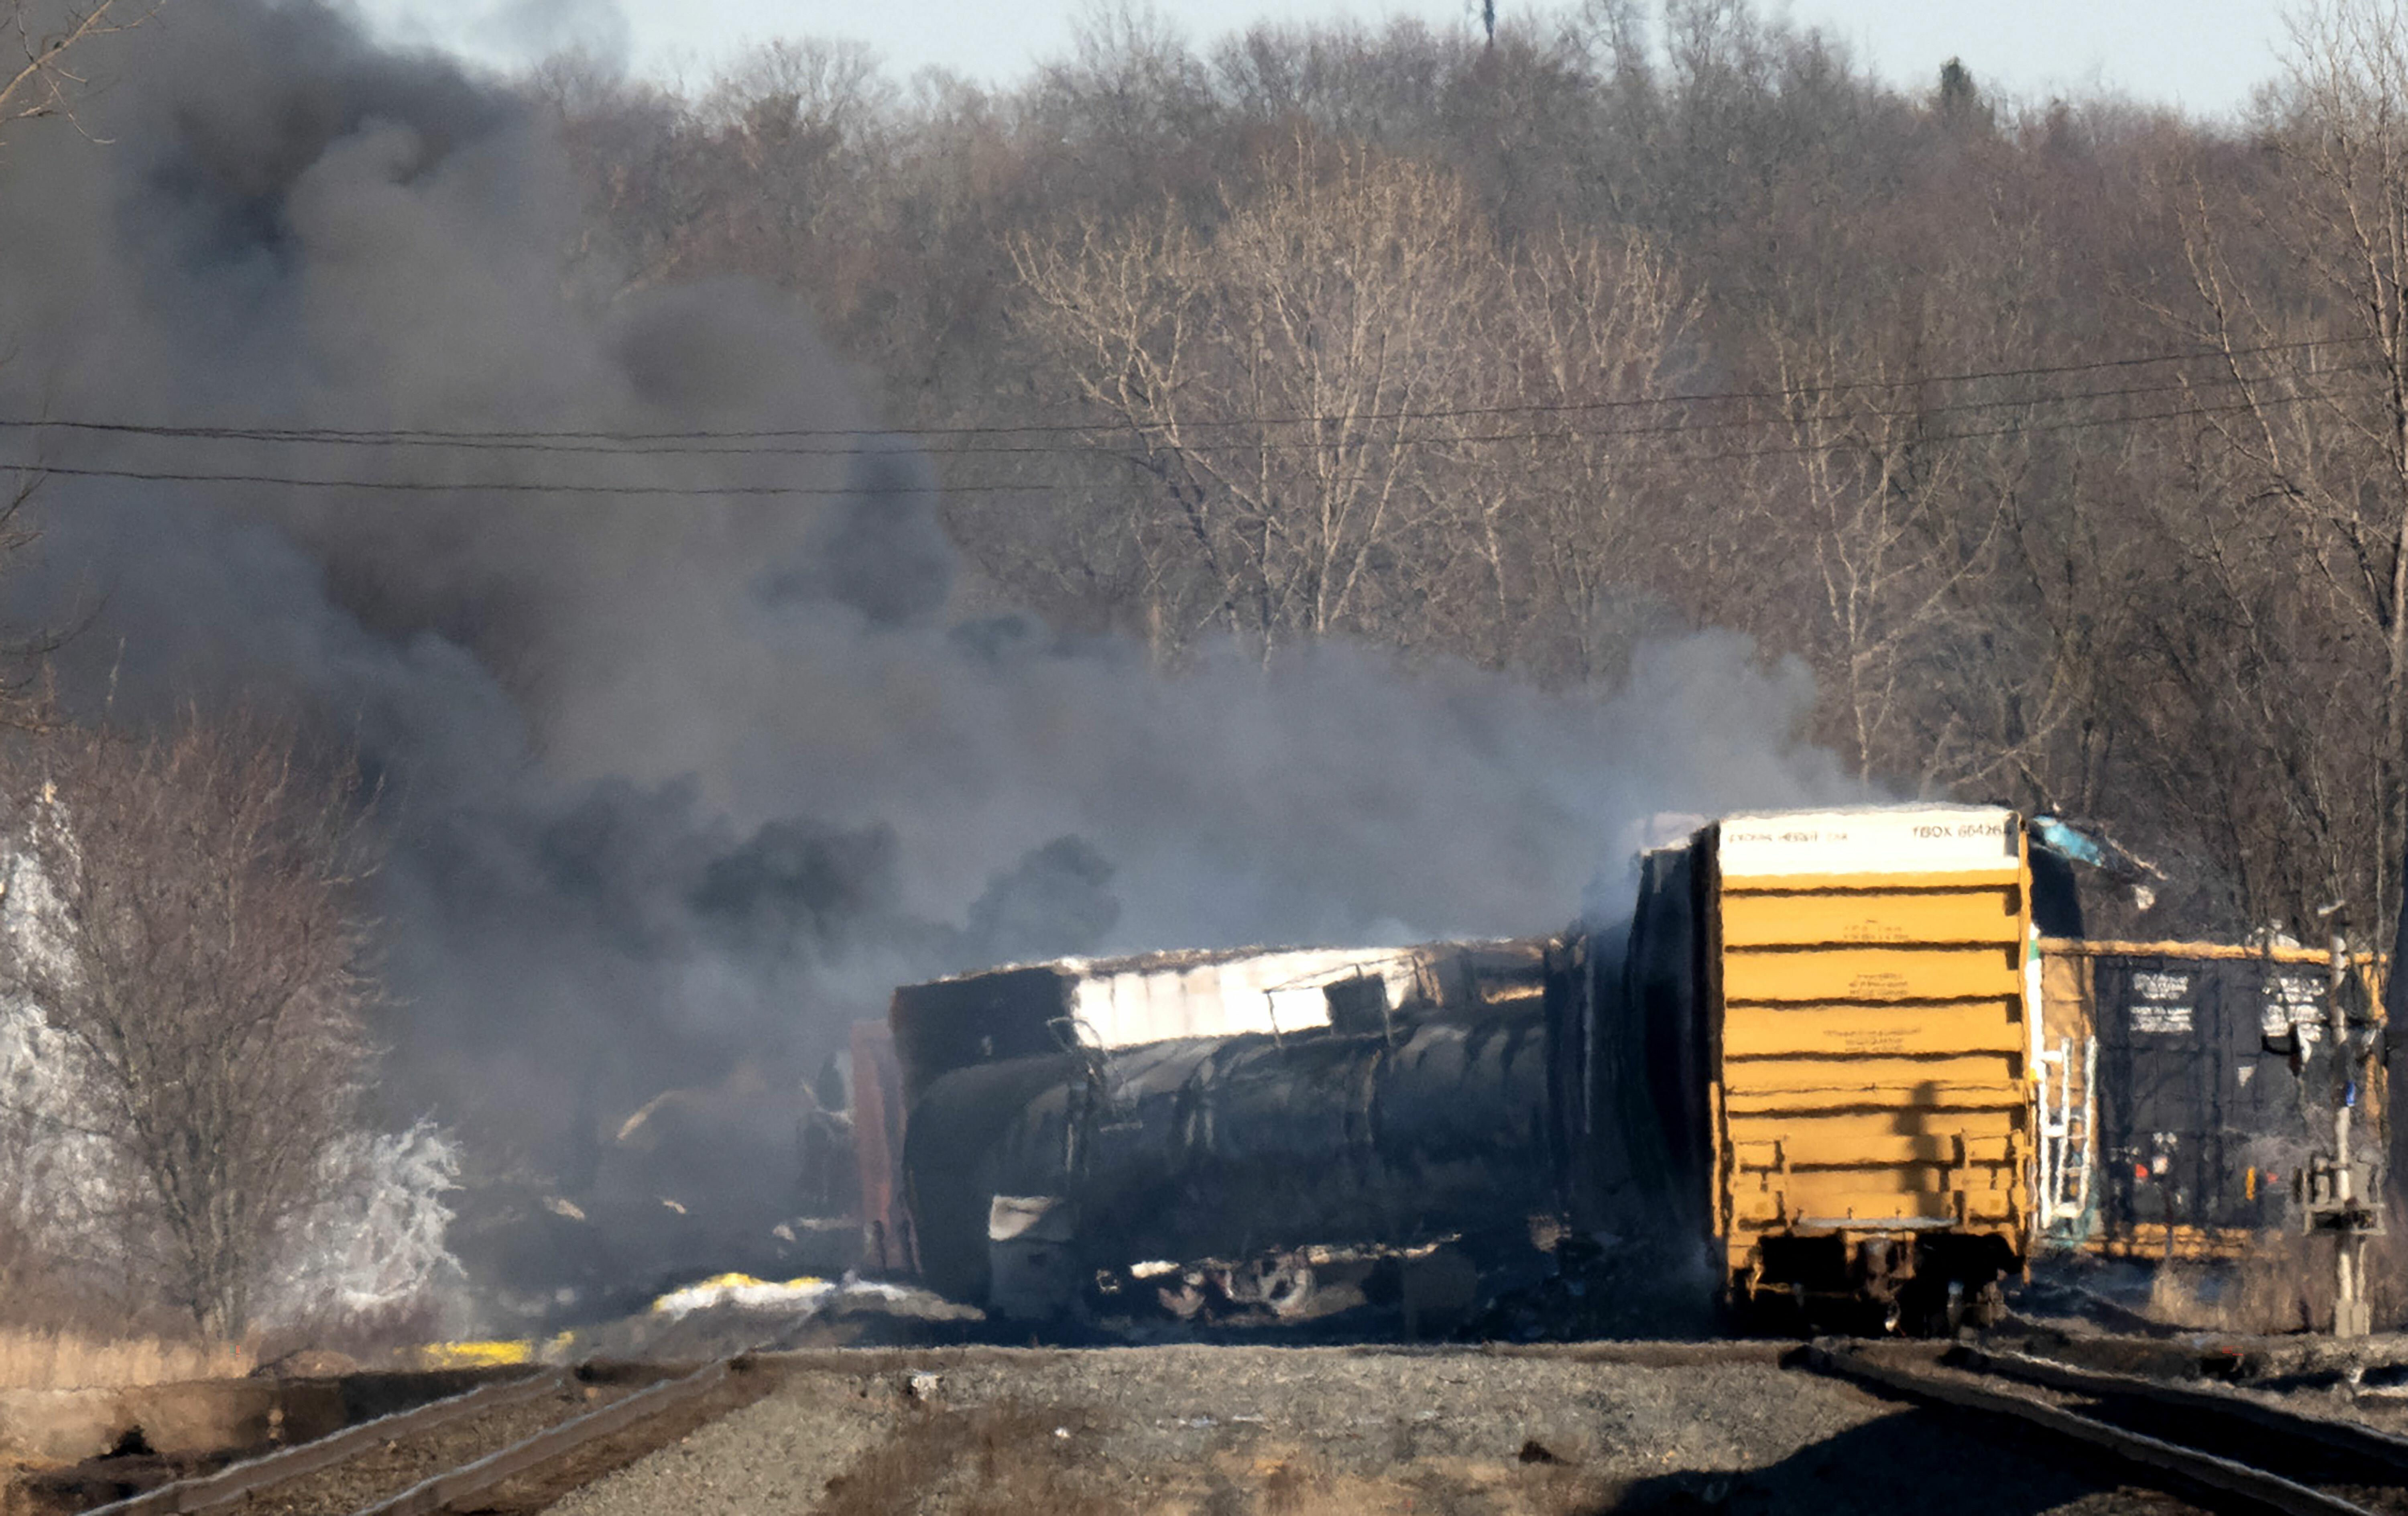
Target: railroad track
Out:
[2226,1449]
[523,1432]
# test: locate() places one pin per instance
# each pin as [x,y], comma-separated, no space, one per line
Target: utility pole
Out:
[2334,1204]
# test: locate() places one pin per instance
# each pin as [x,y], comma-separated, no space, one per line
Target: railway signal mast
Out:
[2334,1203]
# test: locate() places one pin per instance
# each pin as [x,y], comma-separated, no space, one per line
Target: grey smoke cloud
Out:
[680,785]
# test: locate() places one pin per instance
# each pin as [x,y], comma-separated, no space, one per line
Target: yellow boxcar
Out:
[1868,1055]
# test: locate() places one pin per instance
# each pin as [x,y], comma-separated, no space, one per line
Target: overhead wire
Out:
[607,449]
[549,488]
[933,440]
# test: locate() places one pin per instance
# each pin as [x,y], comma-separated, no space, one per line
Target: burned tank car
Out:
[1250,1153]
[1409,1106]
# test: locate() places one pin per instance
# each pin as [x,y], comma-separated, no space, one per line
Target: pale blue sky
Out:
[2205,55]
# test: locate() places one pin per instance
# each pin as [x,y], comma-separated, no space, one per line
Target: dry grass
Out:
[69,1361]
[390,1336]
[2283,1284]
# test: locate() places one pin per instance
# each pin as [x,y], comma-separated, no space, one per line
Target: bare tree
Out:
[186,924]
[49,42]
[1930,443]
[1266,377]
[1565,509]
[2297,275]
[1306,389]
[1875,517]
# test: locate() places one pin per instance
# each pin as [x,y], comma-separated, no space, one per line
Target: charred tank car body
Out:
[1411,1099]
[1436,1144]
[1243,1151]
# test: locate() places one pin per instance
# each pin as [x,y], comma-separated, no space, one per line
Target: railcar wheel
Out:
[1288,1287]
[1282,1284]
[1183,1302]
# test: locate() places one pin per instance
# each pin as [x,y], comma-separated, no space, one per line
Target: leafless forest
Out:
[2064,443]
[2063,440]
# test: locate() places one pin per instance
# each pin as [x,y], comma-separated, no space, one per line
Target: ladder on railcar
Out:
[2067,1114]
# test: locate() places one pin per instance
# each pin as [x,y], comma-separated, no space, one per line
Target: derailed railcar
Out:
[1418,1107]
[1837,1041]
[1246,1154]
[1798,1079]
[1819,1075]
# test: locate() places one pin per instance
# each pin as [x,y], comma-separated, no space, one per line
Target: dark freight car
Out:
[2216,1086]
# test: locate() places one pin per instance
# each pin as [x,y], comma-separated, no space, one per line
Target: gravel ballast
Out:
[390,1468]
[1219,1431]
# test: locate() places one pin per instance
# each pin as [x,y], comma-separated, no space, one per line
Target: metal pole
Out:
[2340,1001]
[2352,1317]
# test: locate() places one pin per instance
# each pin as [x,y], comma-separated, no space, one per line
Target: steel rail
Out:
[446,1489]
[2355,1439]
[2190,1465]
[231,1485]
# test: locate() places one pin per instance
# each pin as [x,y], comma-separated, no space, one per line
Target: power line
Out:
[618,441]
[463,486]
[599,448]
[1005,487]
[2075,423]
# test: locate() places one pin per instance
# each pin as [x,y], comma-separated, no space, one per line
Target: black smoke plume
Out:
[680,782]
